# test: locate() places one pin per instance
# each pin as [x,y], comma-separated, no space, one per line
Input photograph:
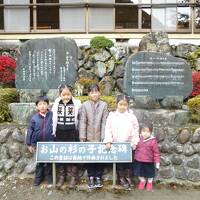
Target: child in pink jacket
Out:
[147,157]
[122,126]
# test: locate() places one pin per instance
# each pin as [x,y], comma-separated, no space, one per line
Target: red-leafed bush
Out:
[7,70]
[196,84]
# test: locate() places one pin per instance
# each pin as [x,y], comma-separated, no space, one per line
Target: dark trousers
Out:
[41,169]
[95,170]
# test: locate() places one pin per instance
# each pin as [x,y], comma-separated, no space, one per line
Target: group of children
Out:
[71,121]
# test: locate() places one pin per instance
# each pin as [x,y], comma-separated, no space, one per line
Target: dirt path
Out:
[23,190]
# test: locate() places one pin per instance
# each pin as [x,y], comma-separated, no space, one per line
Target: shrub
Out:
[7,70]
[99,42]
[194,106]
[110,100]
[7,96]
[192,58]
[196,84]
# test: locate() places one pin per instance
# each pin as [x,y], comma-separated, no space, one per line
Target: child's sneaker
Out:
[149,186]
[91,184]
[98,183]
[141,185]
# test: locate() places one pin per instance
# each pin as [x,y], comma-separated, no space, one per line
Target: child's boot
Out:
[91,184]
[122,180]
[129,177]
[74,177]
[149,186]
[141,185]
[61,175]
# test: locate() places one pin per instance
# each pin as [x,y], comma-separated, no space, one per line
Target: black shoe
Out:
[98,183]
[91,184]
[37,182]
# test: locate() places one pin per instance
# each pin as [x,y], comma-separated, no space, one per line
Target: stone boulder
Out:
[157,42]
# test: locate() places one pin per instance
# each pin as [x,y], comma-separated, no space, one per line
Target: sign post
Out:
[83,152]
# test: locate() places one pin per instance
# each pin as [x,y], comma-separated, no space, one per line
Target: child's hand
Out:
[133,146]
[31,149]
[108,146]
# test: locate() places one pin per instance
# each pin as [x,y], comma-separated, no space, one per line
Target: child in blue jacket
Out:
[40,129]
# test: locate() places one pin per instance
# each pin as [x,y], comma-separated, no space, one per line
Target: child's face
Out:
[94,95]
[122,106]
[66,95]
[145,132]
[42,107]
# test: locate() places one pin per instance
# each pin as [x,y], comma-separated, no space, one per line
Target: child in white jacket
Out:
[122,126]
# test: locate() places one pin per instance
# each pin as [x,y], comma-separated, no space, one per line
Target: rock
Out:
[184,136]
[172,102]
[146,102]
[2,176]
[86,73]
[88,65]
[166,173]
[30,168]
[118,71]
[194,163]
[18,136]
[164,161]
[8,167]
[194,176]
[107,84]
[119,84]
[81,63]
[188,150]
[110,66]
[4,134]
[80,54]
[157,42]
[182,50]
[196,148]
[102,56]
[166,148]
[198,64]
[196,136]
[159,134]
[1,165]
[14,151]
[178,148]
[4,152]
[100,69]
[118,52]
[30,95]
[20,165]
[176,160]
[181,117]
[170,133]
[181,173]
[22,112]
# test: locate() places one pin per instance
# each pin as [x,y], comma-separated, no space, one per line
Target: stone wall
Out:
[179,146]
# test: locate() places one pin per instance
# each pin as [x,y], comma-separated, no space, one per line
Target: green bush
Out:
[192,58]
[7,96]
[110,100]
[99,42]
[194,106]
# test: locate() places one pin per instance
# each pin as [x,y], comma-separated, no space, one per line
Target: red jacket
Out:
[147,150]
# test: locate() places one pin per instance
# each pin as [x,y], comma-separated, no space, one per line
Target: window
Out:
[126,17]
[16,18]
[48,16]
[1,16]
[146,18]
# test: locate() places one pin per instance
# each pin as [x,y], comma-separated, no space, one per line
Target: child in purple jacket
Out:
[147,157]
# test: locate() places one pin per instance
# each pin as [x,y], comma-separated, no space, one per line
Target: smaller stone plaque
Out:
[158,75]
